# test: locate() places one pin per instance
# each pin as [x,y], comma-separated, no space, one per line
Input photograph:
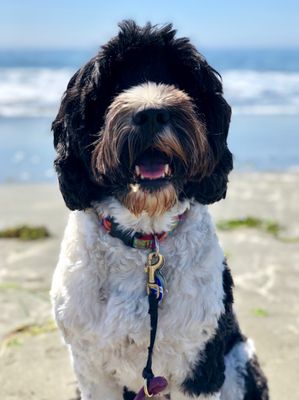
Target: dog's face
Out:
[143,121]
[151,144]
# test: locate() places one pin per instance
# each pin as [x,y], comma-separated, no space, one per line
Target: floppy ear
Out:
[74,182]
[216,113]
[72,139]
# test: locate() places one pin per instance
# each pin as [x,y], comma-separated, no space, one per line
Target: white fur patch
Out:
[151,95]
[99,299]
[235,369]
[142,223]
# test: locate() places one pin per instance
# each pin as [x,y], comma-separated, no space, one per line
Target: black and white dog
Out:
[141,150]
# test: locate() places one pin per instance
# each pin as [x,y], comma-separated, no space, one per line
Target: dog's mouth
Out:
[152,167]
[150,187]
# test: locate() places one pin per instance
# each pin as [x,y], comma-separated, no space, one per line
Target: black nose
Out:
[151,117]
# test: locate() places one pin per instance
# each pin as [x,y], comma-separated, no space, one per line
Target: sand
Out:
[34,363]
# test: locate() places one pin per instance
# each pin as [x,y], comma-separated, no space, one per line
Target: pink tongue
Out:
[153,171]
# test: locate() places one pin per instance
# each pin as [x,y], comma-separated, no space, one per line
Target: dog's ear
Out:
[72,140]
[216,114]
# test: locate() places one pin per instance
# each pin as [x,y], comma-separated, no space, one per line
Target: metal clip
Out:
[155,261]
[157,244]
[145,389]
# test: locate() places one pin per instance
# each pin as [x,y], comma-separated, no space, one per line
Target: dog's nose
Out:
[151,117]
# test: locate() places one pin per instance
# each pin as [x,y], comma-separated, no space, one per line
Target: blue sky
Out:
[89,23]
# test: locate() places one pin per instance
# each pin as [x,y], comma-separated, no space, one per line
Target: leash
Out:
[155,291]
[155,288]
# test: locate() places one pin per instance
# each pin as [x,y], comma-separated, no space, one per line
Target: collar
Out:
[138,240]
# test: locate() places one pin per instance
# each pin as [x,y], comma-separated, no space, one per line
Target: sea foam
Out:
[32,92]
[36,92]
[262,92]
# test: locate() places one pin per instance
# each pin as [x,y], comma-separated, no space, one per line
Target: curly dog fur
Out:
[141,138]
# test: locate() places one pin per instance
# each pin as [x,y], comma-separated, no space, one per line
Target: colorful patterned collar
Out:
[138,240]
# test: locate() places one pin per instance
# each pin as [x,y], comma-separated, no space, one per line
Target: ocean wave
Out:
[32,92]
[262,92]
[36,92]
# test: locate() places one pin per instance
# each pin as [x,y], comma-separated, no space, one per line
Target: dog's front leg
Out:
[101,390]
[94,384]
[98,391]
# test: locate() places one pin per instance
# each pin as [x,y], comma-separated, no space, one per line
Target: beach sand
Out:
[34,363]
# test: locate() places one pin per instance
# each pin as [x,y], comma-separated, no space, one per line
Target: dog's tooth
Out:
[137,170]
[163,176]
[166,169]
[141,176]
[134,187]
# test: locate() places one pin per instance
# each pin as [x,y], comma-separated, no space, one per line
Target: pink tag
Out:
[156,385]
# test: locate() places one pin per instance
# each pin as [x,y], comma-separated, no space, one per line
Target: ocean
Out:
[262,87]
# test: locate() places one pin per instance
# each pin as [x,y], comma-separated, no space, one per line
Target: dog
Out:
[141,141]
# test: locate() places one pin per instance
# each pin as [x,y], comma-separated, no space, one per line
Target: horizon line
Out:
[95,47]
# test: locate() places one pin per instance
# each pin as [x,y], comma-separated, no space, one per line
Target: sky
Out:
[90,23]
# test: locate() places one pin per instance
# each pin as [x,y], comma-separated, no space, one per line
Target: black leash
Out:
[155,291]
[153,303]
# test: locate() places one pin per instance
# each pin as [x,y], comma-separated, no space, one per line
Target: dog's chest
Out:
[193,275]
[187,316]
[112,306]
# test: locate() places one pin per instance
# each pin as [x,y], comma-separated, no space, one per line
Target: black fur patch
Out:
[256,387]
[128,395]
[209,373]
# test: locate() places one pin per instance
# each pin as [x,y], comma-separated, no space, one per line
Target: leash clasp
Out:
[155,261]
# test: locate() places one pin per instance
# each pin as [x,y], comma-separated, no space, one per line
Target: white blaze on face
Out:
[151,95]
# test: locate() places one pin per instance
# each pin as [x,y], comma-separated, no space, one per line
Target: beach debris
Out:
[16,337]
[259,312]
[267,226]
[25,232]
